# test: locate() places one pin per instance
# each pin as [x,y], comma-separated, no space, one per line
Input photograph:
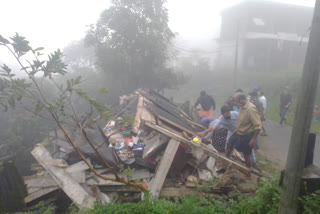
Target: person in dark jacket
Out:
[207,103]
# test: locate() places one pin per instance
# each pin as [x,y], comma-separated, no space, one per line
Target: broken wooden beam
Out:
[163,168]
[176,125]
[203,147]
[153,144]
[41,192]
[40,182]
[137,119]
[77,167]
[73,189]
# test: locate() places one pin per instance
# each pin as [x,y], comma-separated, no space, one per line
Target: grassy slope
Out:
[220,86]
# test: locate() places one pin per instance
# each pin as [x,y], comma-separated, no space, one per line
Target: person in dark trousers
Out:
[285,102]
[208,105]
[247,130]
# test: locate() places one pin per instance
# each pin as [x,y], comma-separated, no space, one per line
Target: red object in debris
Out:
[149,159]
[128,140]
[183,145]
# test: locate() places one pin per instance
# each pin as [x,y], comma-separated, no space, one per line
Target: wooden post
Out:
[302,122]
[164,166]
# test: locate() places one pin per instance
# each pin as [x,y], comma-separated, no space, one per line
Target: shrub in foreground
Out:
[265,201]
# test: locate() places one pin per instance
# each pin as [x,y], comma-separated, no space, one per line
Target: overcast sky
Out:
[54,24]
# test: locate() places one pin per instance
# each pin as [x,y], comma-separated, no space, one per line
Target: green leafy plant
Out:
[60,108]
[311,203]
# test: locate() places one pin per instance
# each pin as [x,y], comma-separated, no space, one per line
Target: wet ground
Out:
[275,146]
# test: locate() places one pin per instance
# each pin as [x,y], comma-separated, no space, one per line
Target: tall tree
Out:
[131,40]
[78,56]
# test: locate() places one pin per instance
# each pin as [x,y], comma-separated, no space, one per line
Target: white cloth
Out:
[263,100]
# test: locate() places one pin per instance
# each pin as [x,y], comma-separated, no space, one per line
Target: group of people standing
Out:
[239,124]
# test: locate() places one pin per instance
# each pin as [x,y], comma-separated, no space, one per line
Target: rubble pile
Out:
[149,141]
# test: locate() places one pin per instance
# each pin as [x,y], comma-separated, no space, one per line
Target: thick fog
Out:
[54,24]
[73,72]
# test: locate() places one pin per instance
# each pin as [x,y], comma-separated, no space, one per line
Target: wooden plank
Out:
[196,124]
[39,194]
[136,174]
[123,189]
[204,147]
[79,177]
[170,129]
[174,192]
[41,182]
[73,189]
[164,166]
[176,125]
[33,189]
[56,162]
[80,166]
[137,119]
[152,145]
[101,182]
[147,116]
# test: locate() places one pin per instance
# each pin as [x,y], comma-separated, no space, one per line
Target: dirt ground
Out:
[274,147]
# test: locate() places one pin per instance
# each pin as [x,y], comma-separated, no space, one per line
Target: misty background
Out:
[200,46]
[197,22]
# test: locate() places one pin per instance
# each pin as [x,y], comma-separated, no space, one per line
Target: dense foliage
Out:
[131,41]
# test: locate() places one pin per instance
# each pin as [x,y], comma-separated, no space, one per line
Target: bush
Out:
[265,201]
[311,203]
[181,205]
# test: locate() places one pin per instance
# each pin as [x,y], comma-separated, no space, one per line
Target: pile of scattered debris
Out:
[149,142]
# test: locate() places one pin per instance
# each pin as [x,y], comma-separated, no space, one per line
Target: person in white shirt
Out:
[263,100]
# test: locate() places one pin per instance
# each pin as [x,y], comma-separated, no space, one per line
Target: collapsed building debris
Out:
[149,142]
